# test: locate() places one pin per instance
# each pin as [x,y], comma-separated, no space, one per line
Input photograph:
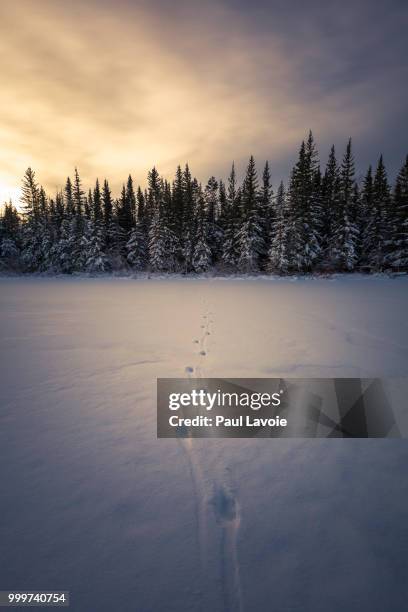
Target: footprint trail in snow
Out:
[214,494]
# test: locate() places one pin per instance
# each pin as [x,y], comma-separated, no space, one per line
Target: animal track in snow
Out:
[225,505]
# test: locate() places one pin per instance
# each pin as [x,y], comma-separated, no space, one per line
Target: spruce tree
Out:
[187,234]
[78,195]
[97,214]
[124,211]
[69,200]
[202,254]
[96,259]
[330,207]
[379,254]
[266,212]
[231,223]
[178,203]
[278,261]
[367,221]
[107,205]
[297,205]
[136,248]
[33,228]
[249,236]
[130,194]
[313,212]
[9,238]
[345,231]
[398,247]
[211,208]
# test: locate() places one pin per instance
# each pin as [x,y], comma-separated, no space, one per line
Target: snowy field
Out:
[93,503]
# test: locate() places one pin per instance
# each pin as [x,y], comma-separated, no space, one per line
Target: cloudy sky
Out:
[116,86]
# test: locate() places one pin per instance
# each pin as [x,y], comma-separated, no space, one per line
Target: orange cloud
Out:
[117,88]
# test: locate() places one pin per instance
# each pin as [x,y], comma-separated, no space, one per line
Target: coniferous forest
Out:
[324,221]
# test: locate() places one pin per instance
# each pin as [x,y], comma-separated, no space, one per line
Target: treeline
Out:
[320,222]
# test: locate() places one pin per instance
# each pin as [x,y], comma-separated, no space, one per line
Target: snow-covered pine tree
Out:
[249,236]
[68,199]
[212,209]
[398,249]
[266,213]
[63,250]
[96,212]
[33,228]
[202,253]
[190,188]
[298,199]
[383,219]
[136,247]
[78,195]
[172,239]
[345,230]
[59,211]
[305,210]
[313,221]
[162,240]
[231,223]
[138,255]
[157,244]
[9,237]
[124,212]
[178,204]
[107,206]
[88,204]
[96,259]
[9,253]
[141,215]
[144,212]
[278,261]
[367,220]
[30,196]
[330,208]
[78,226]
[130,194]
[9,223]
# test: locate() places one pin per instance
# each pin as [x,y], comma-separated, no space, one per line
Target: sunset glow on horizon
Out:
[117,87]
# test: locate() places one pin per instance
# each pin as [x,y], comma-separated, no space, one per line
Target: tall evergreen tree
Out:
[124,211]
[330,194]
[69,200]
[187,236]
[78,195]
[130,194]
[383,218]
[33,228]
[107,204]
[398,247]
[266,211]
[345,231]
[249,236]
[97,214]
[231,223]
[367,220]
[278,261]
[211,209]
[202,254]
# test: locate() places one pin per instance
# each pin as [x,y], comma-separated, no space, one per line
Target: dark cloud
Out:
[117,86]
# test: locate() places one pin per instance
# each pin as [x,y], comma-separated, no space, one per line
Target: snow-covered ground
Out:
[93,503]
